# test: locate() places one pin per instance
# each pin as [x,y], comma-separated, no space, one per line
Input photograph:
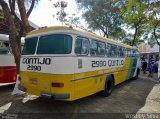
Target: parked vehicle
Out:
[69,64]
[7,63]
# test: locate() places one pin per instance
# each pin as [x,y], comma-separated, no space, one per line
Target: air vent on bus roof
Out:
[42,27]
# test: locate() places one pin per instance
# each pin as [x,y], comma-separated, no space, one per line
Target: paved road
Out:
[128,97]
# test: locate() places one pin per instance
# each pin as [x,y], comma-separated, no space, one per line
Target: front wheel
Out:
[108,87]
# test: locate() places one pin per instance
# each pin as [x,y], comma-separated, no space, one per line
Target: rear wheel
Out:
[108,87]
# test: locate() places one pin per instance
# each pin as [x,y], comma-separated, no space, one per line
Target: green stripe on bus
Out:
[133,62]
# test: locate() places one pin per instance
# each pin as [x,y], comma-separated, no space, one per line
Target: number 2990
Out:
[34,67]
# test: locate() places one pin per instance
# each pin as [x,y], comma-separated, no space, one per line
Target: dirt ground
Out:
[132,96]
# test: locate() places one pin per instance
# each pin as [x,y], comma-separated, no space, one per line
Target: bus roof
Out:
[46,29]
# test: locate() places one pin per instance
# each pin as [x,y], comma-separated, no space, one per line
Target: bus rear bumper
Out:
[55,96]
[48,95]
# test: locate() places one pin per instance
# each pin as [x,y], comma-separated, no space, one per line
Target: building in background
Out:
[149,52]
[152,53]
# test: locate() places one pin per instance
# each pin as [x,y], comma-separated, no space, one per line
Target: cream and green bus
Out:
[68,64]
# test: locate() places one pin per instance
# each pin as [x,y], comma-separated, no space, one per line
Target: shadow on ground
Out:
[128,97]
[5,94]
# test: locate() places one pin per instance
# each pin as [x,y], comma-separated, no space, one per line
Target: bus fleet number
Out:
[98,63]
[34,67]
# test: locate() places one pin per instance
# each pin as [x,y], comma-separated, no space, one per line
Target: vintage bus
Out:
[65,63]
[7,64]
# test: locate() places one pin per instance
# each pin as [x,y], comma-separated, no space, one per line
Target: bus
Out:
[7,63]
[150,55]
[147,56]
[66,63]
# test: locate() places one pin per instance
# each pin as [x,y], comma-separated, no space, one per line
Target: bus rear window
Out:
[30,46]
[55,44]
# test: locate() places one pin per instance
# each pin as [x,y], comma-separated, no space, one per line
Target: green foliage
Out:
[102,15]
[154,20]
[73,20]
[134,16]
[144,17]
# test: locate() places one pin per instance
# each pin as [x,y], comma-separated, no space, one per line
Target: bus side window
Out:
[113,51]
[121,52]
[94,48]
[108,53]
[134,53]
[128,52]
[125,52]
[101,49]
[82,46]
[118,51]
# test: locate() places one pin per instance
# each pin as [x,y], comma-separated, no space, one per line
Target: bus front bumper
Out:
[48,95]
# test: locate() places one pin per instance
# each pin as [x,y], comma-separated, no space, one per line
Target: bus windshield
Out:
[48,44]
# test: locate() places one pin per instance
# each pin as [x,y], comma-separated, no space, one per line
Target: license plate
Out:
[33,81]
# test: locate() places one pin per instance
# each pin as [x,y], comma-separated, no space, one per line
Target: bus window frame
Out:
[113,45]
[122,51]
[35,52]
[82,38]
[50,35]
[128,52]
[107,54]
[93,40]
[104,49]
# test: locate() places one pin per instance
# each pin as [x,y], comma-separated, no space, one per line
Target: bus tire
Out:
[108,87]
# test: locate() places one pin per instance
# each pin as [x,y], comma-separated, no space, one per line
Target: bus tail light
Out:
[57,84]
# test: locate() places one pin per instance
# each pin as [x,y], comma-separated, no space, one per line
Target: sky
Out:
[42,14]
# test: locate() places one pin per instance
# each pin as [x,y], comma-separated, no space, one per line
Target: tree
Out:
[16,26]
[61,14]
[133,12]
[154,20]
[74,20]
[102,15]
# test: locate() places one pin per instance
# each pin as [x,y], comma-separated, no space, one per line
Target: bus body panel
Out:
[44,83]
[38,82]
[7,68]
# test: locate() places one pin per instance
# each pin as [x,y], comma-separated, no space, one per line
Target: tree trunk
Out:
[135,35]
[154,33]
[13,34]
[24,16]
